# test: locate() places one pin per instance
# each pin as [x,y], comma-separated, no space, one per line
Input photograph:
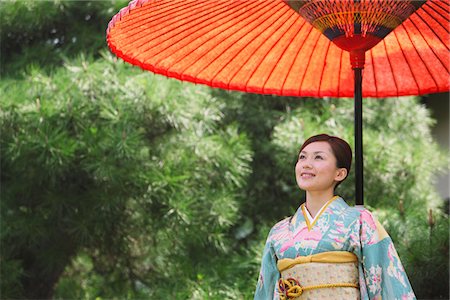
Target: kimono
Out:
[337,227]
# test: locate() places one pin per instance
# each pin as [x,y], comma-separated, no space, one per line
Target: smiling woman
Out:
[329,250]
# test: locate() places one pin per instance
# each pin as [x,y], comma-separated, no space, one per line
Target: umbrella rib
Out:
[230,26]
[407,62]
[180,37]
[431,28]
[430,47]
[438,4]
[256,49]
[296,57]
[374,77]
[430,8]
[390,66]
[226,37]
[284,50]
[307,65]
[157,7]
[165,14]
[272,47]
[206,41]
[124,12]
[323,69]
[237,53]
[177,19]
[340,70]
[230,46]
[420,56]
[282,54]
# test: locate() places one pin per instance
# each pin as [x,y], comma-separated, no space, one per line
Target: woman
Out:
[329,250]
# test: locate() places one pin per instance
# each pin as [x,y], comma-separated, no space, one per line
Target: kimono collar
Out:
[301,212]
[324,207]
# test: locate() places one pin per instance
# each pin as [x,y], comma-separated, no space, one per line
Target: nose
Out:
[305,164]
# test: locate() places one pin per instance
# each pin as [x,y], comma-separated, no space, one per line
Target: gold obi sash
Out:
[327,275]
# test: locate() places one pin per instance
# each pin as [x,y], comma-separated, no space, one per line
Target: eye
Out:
[301,156]
[319,157]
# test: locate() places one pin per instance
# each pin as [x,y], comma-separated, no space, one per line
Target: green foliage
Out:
[44,32]
[131,169]
[422,240]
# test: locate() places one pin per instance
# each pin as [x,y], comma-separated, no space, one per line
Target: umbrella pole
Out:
[359,188]
[357,59]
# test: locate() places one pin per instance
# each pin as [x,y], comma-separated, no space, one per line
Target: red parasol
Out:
[266,46]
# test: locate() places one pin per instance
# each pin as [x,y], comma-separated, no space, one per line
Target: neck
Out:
[316,199]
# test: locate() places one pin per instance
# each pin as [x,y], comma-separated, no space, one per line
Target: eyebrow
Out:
[313,152]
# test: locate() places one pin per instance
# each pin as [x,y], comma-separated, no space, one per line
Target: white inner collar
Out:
[308,215]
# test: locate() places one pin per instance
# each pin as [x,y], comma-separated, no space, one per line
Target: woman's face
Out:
[316,168]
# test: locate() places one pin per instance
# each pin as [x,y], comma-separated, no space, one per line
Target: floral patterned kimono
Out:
[337,227]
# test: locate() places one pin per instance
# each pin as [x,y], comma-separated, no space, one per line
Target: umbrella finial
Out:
[355,25]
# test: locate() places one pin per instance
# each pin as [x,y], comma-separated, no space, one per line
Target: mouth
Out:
[307,175]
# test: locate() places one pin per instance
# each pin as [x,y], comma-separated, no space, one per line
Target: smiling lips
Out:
[307,175]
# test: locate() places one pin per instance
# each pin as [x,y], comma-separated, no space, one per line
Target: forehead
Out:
[318,146]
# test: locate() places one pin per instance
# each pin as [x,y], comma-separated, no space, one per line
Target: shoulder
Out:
[366,217]
[340,207]
[371,226]
[279,229]
[284,223]
[359,212]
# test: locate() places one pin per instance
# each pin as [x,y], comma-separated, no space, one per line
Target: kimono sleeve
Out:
[382,269]
[268,275]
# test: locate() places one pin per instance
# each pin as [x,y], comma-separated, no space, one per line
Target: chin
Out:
[312,187]
[305,187]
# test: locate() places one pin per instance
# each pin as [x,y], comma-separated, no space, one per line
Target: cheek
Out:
[327,169]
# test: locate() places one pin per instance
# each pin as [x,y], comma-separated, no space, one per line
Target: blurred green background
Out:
[120,184]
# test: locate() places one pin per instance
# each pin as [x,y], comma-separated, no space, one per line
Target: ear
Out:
[341,173]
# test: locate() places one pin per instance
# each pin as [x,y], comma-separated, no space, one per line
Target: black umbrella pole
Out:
[359,187]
